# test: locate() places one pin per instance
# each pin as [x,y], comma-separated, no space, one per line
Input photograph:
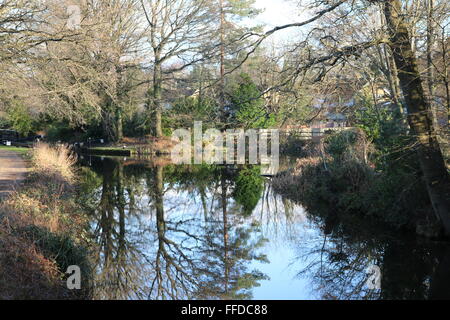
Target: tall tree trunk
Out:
[430,40]
[419,114]
[119,123]
[222,63]
[225,231]
[121,203]
[386,67]
[394,83]
[118,104]
[113,122]
[445,73]
[108,122]
[430,66]
[157,95]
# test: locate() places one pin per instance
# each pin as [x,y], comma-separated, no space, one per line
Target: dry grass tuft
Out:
[56,161]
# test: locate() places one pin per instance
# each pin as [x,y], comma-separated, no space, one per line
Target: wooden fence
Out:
[304,133]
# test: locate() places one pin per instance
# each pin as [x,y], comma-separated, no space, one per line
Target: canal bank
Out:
[13,170]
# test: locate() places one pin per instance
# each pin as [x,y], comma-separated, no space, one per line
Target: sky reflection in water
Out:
[208,232]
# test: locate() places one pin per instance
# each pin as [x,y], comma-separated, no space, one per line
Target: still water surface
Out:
[209,232]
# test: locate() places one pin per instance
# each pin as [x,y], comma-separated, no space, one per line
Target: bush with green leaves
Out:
[383,124]
[5,123]
[247,105]
[136,125]
[20,119]
[186,110]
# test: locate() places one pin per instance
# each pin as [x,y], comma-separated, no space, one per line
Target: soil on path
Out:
[13,170]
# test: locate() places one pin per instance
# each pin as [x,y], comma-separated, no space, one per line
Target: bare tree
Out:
[178,33]
[401,29]
[94,76]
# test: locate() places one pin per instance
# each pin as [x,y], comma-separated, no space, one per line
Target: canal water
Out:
[163,231]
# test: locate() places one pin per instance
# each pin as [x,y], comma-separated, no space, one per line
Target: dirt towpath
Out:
[13,170]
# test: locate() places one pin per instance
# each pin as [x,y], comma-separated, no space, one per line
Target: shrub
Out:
[43,231]
[60,248]
[247,105]
[20,119]
[340,178]
[137,125]
[295,145]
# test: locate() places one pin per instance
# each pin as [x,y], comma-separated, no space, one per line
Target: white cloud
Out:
[280,12]
[276,12]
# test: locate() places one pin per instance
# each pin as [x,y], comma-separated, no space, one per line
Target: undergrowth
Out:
[345,175]
[42,231]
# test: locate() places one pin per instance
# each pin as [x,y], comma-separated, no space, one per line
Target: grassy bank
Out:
[346,177]
[23,151]
[42,231]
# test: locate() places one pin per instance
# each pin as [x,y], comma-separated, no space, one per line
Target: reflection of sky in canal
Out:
[160,234]
[287,230]
[282,224]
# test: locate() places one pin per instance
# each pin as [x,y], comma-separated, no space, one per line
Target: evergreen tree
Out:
[247,105]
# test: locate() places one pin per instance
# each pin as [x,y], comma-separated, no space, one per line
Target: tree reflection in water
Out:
[197,232]
[411,268]
[169,232]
